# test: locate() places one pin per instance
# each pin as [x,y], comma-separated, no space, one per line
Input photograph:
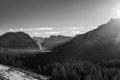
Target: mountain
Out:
[39,40]
[54,41]
[102,43]
[98,44]
[17,40]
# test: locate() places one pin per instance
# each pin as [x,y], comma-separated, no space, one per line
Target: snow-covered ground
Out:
[7,73]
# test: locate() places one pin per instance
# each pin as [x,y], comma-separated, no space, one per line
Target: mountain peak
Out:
[114,20]
[113,25]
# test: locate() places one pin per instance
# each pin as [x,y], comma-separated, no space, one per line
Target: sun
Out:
[118,13]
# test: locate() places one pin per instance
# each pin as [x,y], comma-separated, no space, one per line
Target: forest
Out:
[68,70]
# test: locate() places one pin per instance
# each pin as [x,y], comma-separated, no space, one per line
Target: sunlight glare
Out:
[118,13]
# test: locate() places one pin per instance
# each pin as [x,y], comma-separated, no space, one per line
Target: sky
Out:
[54,17]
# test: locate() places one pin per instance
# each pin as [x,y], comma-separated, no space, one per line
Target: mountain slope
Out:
[54,41]
[18,40]
[97,45]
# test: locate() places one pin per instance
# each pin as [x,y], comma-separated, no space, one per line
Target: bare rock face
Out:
[17,40]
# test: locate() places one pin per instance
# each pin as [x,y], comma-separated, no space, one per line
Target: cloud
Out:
[78,30]
[73,32]
[36,33]
[81,28]
[74,28]
[32,29]
[12,30]
[53,32]
[44,28]
[47,31]
[22,29]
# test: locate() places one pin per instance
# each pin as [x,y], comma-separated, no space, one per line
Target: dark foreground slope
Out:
[18,40]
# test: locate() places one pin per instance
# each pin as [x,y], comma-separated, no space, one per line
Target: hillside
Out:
[17,40]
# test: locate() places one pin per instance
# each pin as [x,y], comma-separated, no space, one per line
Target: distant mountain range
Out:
[17,40]
[51,42]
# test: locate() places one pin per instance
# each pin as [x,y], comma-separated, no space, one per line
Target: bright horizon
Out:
[43,18]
